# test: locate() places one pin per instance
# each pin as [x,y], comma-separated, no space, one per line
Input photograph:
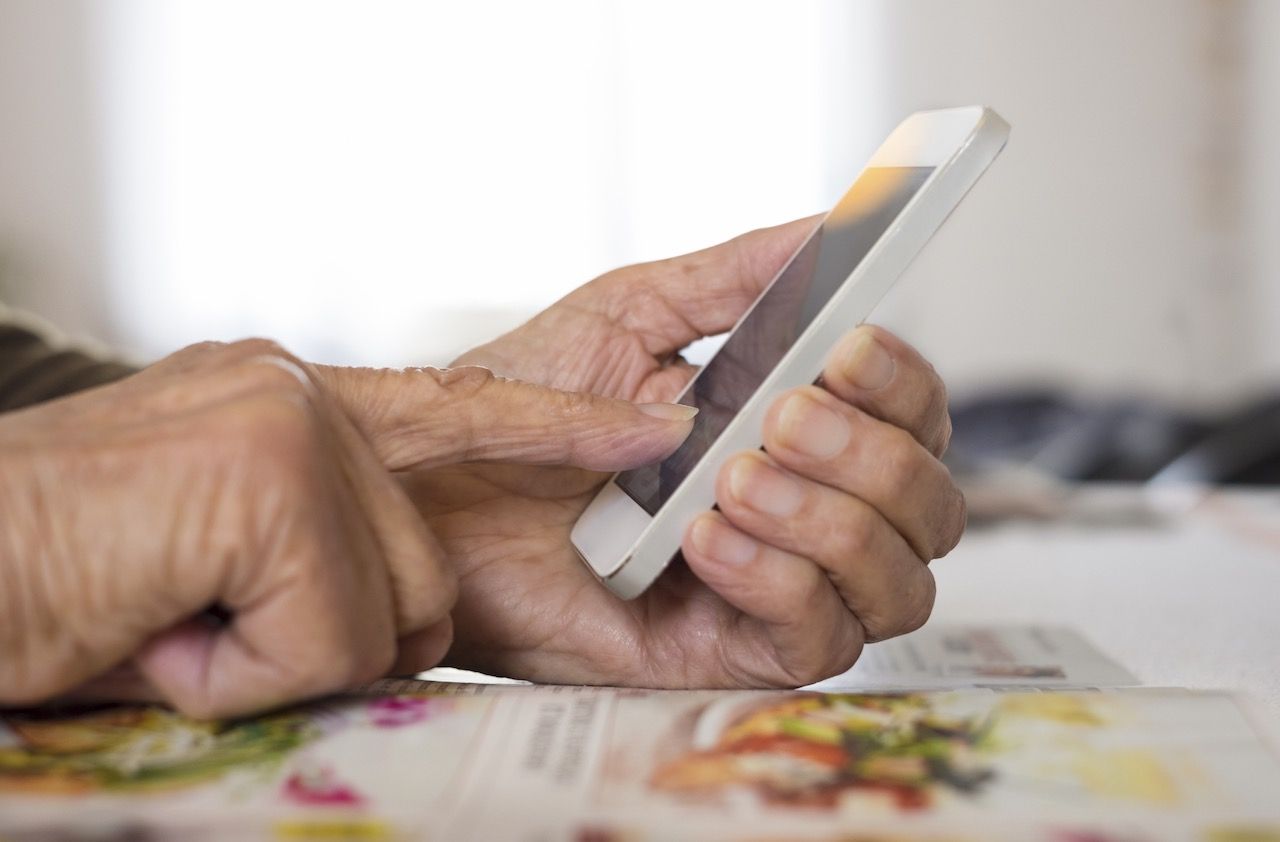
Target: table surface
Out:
[1180,587]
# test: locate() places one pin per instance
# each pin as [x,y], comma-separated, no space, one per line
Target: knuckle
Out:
[903,465]
[802,593]
[888,624]
[324,667]
[258,347]
[435,596]
[920,603]
[855,535]
[842,653]
[841,659]
[828,657]
[941,397]
[443,634]
[954,524]
[815,589]
[934,420]
[907,613]
[195,357]
[375,663]
[201,349]
[812,670]
[274,374]
[446,589]
[899,604]
[278,424]
[310,671]
[458,387]
[341,668]
[275,438]
[581,407]
[877,625]
[465,380]
[424,649]
[318,674]
[264,365]
[944,435]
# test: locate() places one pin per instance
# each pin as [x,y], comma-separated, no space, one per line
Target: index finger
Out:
[420,418]
[885,377]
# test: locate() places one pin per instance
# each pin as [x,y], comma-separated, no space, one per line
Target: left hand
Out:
[241,479]
[821,542]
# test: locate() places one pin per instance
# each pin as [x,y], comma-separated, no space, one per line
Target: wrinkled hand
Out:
[222,530]
[821,543]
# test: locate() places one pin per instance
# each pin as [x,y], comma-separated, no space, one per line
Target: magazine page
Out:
[950,656]
[412,760]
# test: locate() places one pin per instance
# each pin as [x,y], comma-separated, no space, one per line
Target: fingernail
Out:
[807,426]
[720,542]
[763,488]
[868,365]
[668,411]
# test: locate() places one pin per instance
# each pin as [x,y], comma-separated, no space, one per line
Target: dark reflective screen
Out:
[787,307]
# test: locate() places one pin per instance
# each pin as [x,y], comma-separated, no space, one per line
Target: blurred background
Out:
[390,182]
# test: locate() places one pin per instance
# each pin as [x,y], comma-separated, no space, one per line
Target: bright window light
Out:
[390,182]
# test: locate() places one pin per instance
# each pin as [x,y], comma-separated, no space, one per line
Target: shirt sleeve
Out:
[32,370]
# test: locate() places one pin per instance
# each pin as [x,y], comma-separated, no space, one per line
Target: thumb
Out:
[422,417]
[700,294]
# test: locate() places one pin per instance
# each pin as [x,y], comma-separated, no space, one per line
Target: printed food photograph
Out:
[810,749]
[138,749]
[941,756]
[332,754]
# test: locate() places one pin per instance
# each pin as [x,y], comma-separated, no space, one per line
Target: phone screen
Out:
[779,316]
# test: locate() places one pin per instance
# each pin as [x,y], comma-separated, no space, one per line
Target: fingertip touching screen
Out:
[778,318]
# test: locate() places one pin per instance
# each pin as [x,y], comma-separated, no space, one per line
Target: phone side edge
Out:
[637,566]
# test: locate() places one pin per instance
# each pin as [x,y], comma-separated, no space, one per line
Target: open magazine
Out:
[942,656]
[432,760]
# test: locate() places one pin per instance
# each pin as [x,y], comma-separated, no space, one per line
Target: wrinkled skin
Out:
[223,531]
[232,528]
[765,599]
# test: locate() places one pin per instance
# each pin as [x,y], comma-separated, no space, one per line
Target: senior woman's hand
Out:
[222,530]
[821,542]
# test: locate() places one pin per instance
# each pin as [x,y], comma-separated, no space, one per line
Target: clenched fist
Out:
[223,530]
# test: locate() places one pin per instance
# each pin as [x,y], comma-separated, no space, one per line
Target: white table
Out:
[1188,598]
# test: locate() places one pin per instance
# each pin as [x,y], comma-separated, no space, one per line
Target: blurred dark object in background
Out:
[1124,440]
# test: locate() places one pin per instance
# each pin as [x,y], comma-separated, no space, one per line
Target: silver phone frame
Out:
[625,546]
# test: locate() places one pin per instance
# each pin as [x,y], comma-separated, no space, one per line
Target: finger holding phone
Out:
[805,513]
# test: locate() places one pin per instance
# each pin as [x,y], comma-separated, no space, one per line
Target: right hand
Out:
[767,597]
[223,529]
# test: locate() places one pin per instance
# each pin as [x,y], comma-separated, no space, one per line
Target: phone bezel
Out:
[625,546]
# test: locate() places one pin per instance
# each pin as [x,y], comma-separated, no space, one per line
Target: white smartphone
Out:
[632,529]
